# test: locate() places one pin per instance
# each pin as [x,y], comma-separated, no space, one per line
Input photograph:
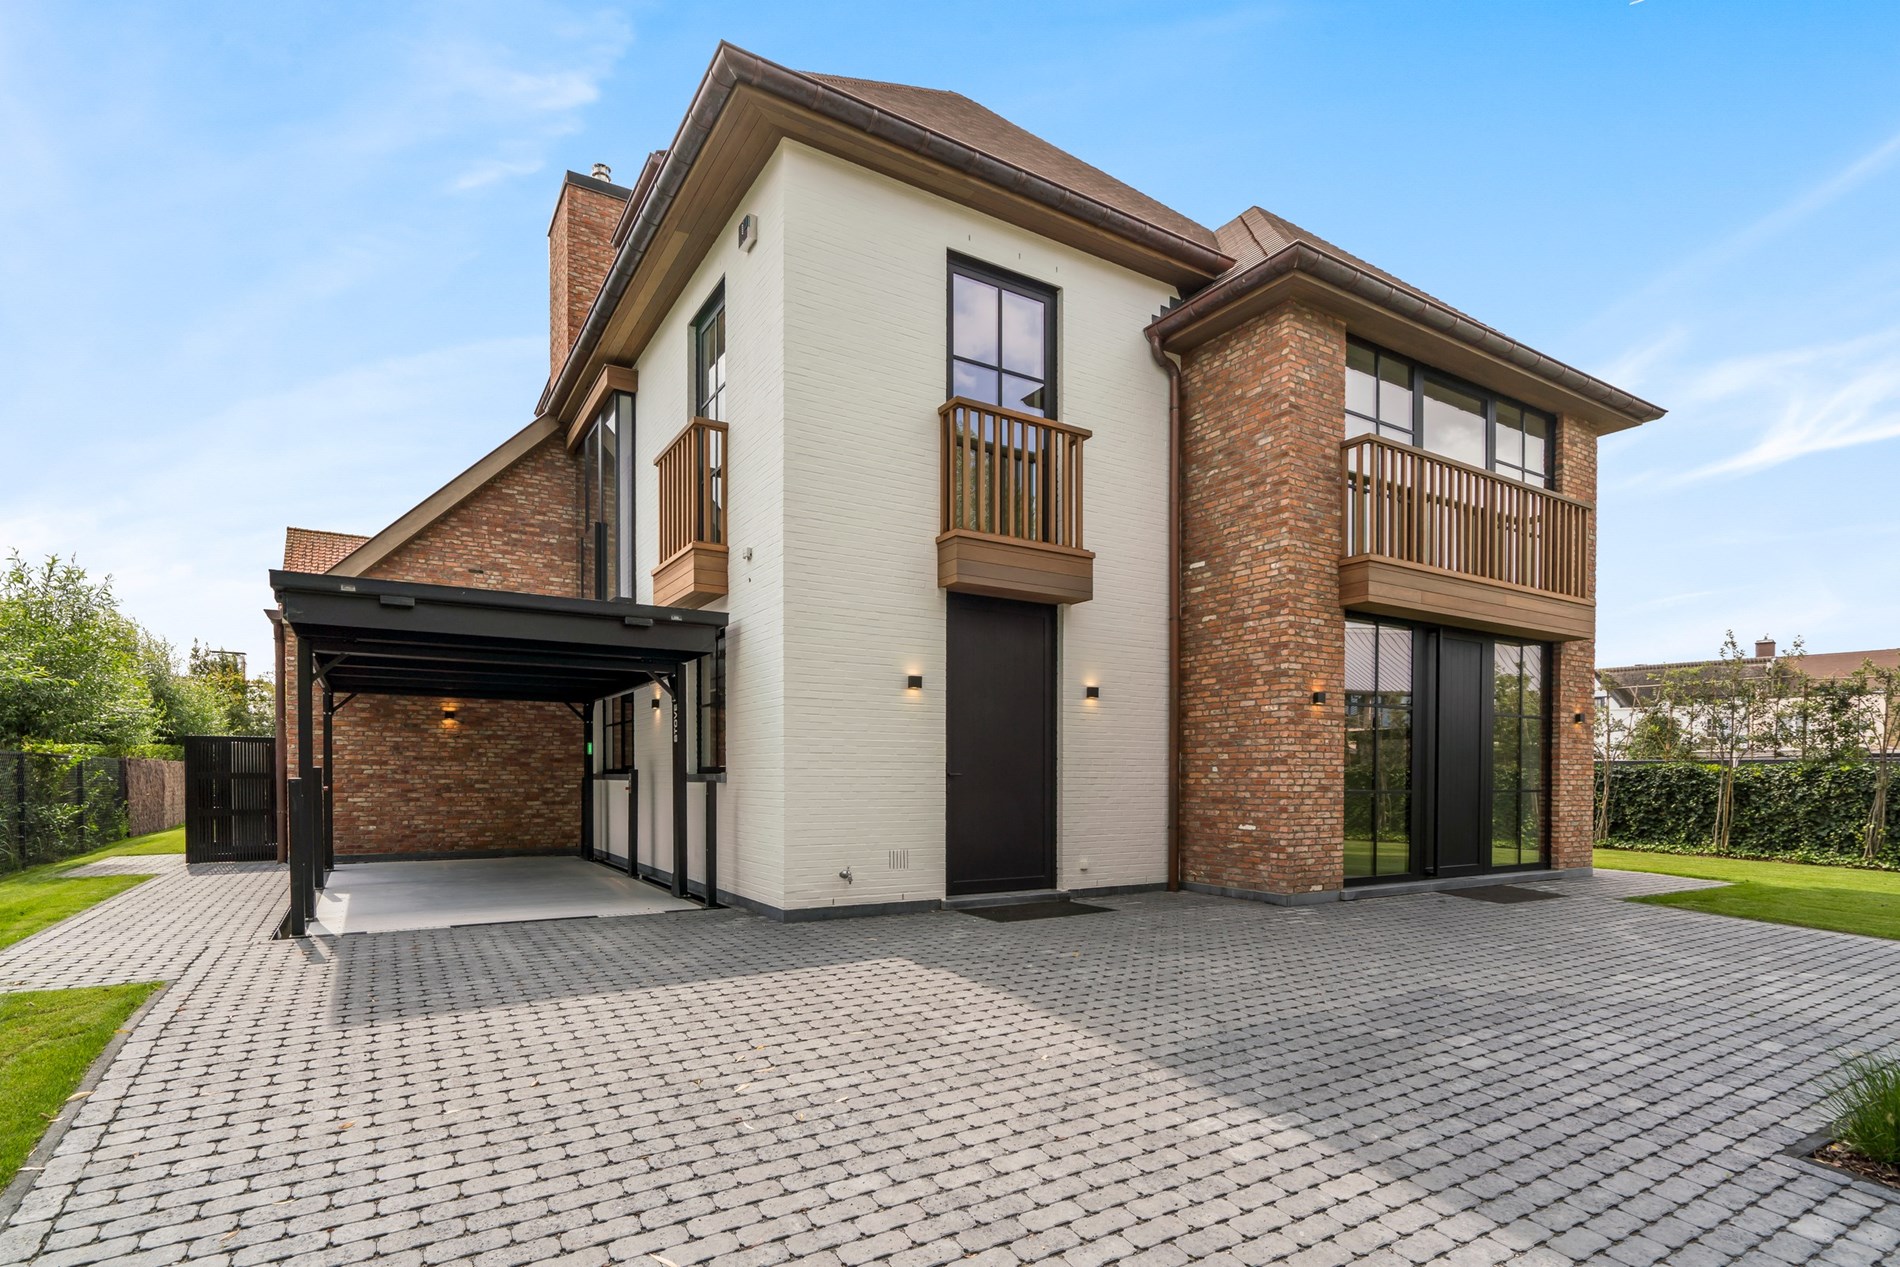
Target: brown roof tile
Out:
[1256,233]
[956,116]
[310,550]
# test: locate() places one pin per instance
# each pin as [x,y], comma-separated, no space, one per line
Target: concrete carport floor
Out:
[385,897]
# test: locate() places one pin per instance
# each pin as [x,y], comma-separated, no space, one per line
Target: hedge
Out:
[1794,811]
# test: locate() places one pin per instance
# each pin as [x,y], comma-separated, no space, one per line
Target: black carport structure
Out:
[365,637]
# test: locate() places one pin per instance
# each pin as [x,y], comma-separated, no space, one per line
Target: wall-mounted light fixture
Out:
[1576,718]
[656,702]
[448,714]
[915,682]
[1319,697]
[1091,692]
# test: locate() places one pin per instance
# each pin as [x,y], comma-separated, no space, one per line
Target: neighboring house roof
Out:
[1631,683]
[312,550]
[954,115]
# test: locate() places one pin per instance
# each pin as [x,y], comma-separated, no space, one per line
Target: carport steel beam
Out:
[359,636]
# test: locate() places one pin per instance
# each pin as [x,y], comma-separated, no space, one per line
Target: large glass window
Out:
[1378,749]
[1002,339]
[709,698]
[709,358]
[1518,751]
[1407,403]
[606,477]
[709,402]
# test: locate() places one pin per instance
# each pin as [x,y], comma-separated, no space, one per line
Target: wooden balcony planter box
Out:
[1012,506]
[692,530]
[1429,537]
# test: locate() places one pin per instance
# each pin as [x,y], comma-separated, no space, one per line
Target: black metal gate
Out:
[230,798]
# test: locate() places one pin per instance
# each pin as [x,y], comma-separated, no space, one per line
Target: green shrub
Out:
[1787,811]
[1864,1097]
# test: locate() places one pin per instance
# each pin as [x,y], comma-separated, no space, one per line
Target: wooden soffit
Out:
[612,378]
[1431,344]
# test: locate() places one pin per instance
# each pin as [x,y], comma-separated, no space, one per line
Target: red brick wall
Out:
[1262,628]
[505,777]
[1574,678]
[580,251]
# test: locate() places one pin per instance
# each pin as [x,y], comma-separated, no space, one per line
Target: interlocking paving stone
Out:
[1405,1080]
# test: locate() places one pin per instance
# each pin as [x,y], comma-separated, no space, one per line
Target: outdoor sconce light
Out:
[656,703]
[448,714]
[915,682]
[1576,718]
[1319,697]
[1091,692]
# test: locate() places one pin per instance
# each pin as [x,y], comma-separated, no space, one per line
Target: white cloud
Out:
[1816,399]
[489,171]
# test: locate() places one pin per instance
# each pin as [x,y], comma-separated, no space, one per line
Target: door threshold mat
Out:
[1501,893]
[1033,910]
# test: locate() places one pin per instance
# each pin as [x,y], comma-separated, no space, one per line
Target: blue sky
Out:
[269,264]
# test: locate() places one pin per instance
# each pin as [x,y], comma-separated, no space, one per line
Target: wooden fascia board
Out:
[612,378]
[1407,337]
[444,499]
[749,131]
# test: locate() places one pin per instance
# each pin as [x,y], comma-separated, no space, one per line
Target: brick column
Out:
[1573,680]
[1262,767]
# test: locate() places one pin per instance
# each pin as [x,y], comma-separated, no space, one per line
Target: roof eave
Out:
[733,67]
[1226,304]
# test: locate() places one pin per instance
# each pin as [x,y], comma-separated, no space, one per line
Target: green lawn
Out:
[1840,899]
[38,896]
[48,1038]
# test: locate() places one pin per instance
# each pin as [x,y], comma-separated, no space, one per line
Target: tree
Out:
[1612,739]
[1880,690]
[187,703]
[70,668]
[1725,706]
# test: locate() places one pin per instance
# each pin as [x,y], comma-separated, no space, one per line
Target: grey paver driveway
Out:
[1184,1079]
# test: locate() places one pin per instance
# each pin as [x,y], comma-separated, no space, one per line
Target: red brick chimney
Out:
[580,250]
[1764,648]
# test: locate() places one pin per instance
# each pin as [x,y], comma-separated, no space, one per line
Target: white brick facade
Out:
[836,335]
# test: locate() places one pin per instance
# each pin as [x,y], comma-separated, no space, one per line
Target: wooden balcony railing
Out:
[1012,496]
[1423,511]
[692,528]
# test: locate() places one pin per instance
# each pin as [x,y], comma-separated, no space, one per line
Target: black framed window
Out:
[709,692]
[617,747]
[709,358]
[1519,754]
[1403,401]
[1379,710]
[1002,339]
[606,484]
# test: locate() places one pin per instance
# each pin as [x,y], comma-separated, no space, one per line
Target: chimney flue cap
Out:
[603,172]
[1764,648]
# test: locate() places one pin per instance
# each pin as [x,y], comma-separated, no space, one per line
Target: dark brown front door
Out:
[1001,745]
[1460,754]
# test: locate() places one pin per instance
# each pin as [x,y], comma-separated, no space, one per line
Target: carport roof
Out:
[404,638]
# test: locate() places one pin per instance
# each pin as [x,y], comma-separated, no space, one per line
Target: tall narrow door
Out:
[1000,804]
[1458,792]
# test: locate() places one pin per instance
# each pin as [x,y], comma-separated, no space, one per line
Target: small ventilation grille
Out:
[900,859]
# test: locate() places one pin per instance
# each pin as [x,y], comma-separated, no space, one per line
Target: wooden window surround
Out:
[1012,506]
[692,530]
[1426,536]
